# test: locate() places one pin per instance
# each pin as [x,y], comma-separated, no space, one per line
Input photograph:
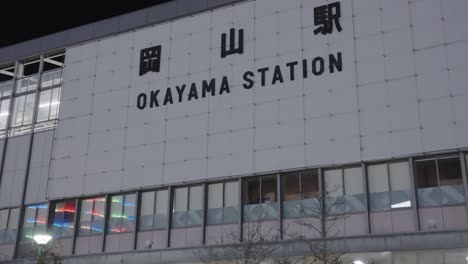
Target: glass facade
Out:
[301,194]
[187,206]
[439,181]
[389,186]
[30,91]
[223,203]
[9,219]
[63,218]
[153,210]
[344,190]
[261,199]
[92,216]
[35,221]
[122,213]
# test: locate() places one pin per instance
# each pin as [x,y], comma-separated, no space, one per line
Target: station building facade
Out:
[143,137]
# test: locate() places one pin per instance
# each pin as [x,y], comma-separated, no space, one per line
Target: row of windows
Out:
[438,182]
[23,82]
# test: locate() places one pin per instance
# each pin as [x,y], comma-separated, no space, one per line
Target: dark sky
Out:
[26,20]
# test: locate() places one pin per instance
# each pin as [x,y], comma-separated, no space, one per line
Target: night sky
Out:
[25,20]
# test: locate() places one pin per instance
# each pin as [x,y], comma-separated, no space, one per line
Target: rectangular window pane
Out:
[29,109]
[252,191]
[399,176]
[181,200]
[354,182]
[55,103]
[160,219]
[3,219]
[334,183]
[309,184]
[292,190]
[196,199]
[115,220]
[147,210]
[215,195]
[4,111]
[128,216]
[269,189]
[426,174]
[449,171]
[18,110]
[41,220]
[147,203]
[378,178]
[162,198]
[44,106]
[30,216]
[86,216]
[231,194]
[13,218]
[379,189]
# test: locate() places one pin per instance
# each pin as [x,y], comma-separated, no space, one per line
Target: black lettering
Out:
[141,101]
[247,77]
[305,72]
[168,97]
[277,76]
[180,92]
[224,86]
[209,88]
[263,71]
[320,68]
[154,99]
[291,66]
[335,63]
[193,92]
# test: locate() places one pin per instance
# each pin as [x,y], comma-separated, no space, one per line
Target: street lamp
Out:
[41,240]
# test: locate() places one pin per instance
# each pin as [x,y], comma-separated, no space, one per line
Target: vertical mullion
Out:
[204,209]
[279,197]
[241,209]
[76,221]
[169,216]
[464,177]
[137,217]
[414,193]
[365,182]
[106,221]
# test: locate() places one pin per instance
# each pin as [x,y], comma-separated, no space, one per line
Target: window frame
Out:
[390,187]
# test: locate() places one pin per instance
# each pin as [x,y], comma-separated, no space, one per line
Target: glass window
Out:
[153,212]
[35,221]
[344,190]
[8,225]
[301,194]
[4,112]
[426,174]
[439,182]
[389,186]
[122,213]
[92,216]
[260,198]
[63,219]
[23,113]
[449,171]
[292,187]
[49,102]
[188,204]
[223,203]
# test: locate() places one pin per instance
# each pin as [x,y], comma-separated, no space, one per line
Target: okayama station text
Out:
[268,76]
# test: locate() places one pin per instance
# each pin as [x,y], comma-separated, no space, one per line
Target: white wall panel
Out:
[39,167]
[14,171]
[402,86]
